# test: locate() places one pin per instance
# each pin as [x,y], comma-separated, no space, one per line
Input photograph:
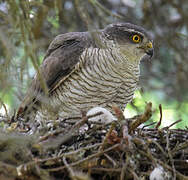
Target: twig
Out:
[107,136]
[85,159]
[75,175]
[181,146]
[110,159]
[79,117]
[7,168]
[71,172]
[68,154]
[178,174]
[147,153]
[147,125]
[161,116]
[118,113]
[96,3]
[166,128]
[170,155]
[69,133]
[123,170]
[107,169]
[159,146]
[134,174]
[143,118]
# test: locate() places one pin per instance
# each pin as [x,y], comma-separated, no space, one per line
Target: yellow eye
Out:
[136,38]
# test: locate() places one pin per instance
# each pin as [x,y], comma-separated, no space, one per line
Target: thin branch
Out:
[161,116]
[142,118]
[86,159]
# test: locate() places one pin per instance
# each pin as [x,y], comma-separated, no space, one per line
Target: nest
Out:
[85,150]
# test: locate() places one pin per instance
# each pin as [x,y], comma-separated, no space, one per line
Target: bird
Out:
[82,70]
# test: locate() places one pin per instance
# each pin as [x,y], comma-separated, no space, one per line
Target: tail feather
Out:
[31,101]
[27,106]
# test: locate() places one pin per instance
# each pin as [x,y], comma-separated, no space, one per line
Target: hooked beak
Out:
[149,49]
[150,52]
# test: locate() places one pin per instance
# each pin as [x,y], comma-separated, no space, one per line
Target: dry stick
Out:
[73,118]
[181,146]
[55,159]
[74,175]
[170,155]
[66,135]
[110,159]
[43,138]
[107,169]
[149,156]
[108,12]
[178,174]
[147,152]
[165,128]
[85,159]
[76,126]
[118,113]
[107,136]
[94,115]
[159,146]
[147,125]
[87,20]
[81,149]
[8,169]
[161,116]
[71,172]
[134,174]
[143,118]
[123,169]
[68,154]
[30,50]
[69,134]
[120,117]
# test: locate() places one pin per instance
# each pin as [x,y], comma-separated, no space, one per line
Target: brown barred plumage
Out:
[83,70]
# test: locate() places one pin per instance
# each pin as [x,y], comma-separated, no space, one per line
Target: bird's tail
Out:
[28,105]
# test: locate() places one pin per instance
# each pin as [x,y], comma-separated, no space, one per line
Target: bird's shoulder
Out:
[68,42]
[62,56]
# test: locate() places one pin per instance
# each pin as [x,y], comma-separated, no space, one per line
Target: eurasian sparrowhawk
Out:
[87,69]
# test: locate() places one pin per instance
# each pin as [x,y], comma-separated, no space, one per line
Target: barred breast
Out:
[103,77]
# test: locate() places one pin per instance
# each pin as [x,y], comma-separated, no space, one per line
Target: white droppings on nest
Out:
[105,118]
[157,173]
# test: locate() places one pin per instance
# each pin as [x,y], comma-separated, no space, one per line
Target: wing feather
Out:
[61,57]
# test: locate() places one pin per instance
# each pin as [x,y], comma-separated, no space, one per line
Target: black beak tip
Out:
[150,52]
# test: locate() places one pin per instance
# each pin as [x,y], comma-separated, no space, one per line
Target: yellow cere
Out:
[149,45]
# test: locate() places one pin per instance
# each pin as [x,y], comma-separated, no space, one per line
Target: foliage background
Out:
[27,27]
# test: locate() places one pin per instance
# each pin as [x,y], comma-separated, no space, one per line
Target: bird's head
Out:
[132,40]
